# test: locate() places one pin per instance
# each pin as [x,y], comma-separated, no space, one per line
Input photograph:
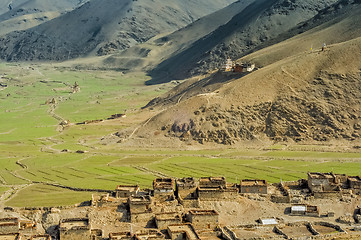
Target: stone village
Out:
[323,206]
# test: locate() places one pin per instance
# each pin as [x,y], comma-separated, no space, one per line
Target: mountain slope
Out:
[31,13]
[298,94]
[146,56]
[100,26]
[260,22]
[5,6]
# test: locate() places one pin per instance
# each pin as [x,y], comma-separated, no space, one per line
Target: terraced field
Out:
[34,149]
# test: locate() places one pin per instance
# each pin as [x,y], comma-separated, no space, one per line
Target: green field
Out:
[54,197]
[30,143]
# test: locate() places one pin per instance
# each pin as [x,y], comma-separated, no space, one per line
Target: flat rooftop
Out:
[253,182]
[163,183]
[299,208]
[189,181]
[127,188]
[212,179]
[203,212]
[41,237]
[217,189]
[148,234]
[167,216]
[355,179]
[119,235]
[139,199]
[320,175]
[9,221]
[268,221]
[74,222]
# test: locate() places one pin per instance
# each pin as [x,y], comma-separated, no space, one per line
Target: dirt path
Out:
[142,125]
[9,194]
[51,111]
[49,148]
[153,172]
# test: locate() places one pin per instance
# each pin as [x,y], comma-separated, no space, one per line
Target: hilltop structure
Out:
[233,66]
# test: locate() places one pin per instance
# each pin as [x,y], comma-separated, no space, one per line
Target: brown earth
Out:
[298,94]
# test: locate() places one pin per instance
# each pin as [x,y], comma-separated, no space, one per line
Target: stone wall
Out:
[253,189]
[327,195]
[190,203]
[164,220]
[11,236]
[187,193]
[140,204]
[205,194]
[9,228]
[143,218]
[186,188]
[75,233]
[203,220]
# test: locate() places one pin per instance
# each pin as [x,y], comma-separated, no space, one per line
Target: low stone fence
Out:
[76,189]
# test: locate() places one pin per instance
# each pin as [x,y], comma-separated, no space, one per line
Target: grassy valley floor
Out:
[35,149]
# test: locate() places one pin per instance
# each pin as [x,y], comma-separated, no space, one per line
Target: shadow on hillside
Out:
[180,65]
[187,90]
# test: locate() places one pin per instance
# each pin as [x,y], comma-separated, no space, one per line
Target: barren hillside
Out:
[102,26]
[147,55]
[299,93]
[30,13]
[4,5]
[260,22]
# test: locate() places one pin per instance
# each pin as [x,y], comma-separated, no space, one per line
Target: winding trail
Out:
[8,132]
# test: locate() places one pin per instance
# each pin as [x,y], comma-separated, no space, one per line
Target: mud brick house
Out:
[139,235]
[140,209]
[186,188]
[125,191]
[355,184]
[140,204]
[182,231]
[14,225]
[120,236]
[163,189]
[326,184]
[204,219]
[41,237]
[27,227]
[212,182]
[9,225]
[216,188]
[230,192]
[75,229]
[11,236]
[163,220]
[253,186]
[149,234]
[103,199]
[305,210]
